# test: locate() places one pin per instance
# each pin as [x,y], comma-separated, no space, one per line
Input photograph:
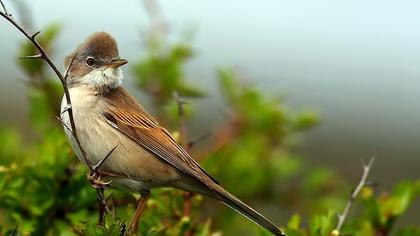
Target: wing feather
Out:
[128,117]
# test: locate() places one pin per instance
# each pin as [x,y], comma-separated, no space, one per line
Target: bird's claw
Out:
[96,181]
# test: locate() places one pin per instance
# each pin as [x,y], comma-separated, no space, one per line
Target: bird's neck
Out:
[100,81]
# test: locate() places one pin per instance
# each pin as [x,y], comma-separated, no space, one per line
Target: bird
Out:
[145,155]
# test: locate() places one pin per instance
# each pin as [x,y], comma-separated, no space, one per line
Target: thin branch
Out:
[198,139]
[97,183]
[65,125]
[4,9]
[184,134]
[94,179]
[42,54]
[9,18]
[183,121]
[35,34]
[101,162]
[102,206]
[66,72]
[68,108]
[363,182]
[65,109]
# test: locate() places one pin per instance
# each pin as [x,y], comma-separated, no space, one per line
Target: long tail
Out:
[245,210]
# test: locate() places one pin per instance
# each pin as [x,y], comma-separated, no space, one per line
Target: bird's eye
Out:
[90,61]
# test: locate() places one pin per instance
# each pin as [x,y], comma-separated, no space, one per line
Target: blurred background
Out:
[352,63]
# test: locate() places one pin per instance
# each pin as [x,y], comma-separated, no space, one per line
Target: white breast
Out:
[143,169]
[94,134]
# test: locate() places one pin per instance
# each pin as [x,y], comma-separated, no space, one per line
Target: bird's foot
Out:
[96,181]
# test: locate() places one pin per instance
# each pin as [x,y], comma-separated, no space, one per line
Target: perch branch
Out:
[43,55]
[363,182]
[63,79]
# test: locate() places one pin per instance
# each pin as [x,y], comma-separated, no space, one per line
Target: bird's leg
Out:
[187,203]
[140,205]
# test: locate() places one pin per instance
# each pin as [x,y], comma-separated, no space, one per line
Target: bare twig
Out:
[35,34]
[184,134]
[196,140]
[43,55]
[65,125]
[5,10]
[102,206]
[101,162]
[183,121]
[362,183]
[68,108]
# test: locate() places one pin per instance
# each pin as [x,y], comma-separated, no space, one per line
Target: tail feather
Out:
[245,210]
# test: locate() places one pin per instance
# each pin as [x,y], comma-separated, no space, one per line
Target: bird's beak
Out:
[114,63]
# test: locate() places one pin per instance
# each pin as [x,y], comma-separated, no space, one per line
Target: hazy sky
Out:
[355,62]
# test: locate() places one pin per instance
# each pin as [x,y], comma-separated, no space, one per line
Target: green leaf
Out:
[322,225]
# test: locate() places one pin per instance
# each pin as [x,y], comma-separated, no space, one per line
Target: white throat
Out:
[103,78]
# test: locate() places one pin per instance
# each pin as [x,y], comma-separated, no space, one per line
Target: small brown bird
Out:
[107,116]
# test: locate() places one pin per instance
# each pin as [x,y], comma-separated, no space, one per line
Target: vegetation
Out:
[44,191]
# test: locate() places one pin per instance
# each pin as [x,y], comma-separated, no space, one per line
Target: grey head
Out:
[96,63]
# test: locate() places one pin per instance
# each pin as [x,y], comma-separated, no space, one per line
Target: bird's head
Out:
[96,63]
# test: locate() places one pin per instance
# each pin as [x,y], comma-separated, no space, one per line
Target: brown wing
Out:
[127,116]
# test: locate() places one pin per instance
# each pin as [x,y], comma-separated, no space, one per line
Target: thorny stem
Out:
[97,183]
[63,79]
[362,183]
[102,206]
[96,167]
[5,10]
[184,134]
[183,120]
[43,55]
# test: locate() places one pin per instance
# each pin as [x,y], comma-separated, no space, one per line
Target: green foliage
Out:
[408,232]
[49,188]
[58,199]
[252,145]
[161,73]
[384,210]
[380,211]
[45,90]
[10,143]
